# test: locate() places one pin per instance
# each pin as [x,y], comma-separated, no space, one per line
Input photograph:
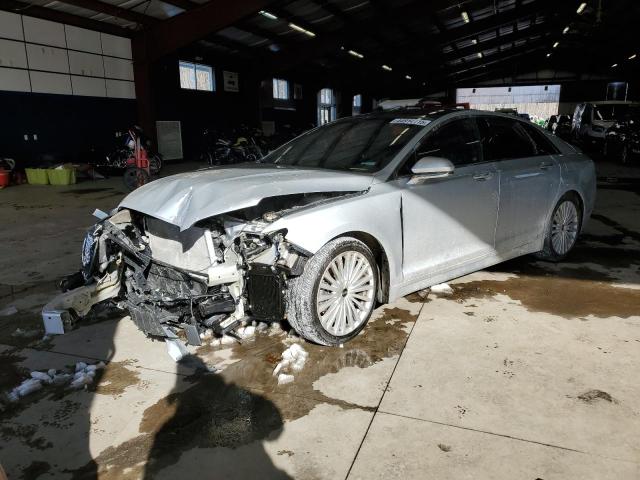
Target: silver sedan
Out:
[354,213]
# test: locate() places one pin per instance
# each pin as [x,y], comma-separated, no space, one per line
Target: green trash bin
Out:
[62,176]
[37,176]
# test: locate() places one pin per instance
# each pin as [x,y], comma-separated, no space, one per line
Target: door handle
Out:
[482,176]
[545,165]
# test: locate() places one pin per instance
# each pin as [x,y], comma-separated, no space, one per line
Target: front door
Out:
[448,222]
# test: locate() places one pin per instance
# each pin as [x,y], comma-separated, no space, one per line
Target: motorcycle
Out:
[134,157]
[220,150]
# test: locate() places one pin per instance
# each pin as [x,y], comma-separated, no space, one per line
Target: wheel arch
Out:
[581,204]
[381,258]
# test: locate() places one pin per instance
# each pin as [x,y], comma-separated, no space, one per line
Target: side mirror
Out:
[431,167]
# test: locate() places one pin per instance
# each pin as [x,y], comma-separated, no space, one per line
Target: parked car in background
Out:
[622,140]
[562,127]
[591,120]
[357,212]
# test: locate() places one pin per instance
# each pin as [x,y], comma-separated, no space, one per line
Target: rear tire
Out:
[563,229]
[332,301]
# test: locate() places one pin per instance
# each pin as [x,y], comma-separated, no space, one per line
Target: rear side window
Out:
[542,144]
[456,141]
[504,139]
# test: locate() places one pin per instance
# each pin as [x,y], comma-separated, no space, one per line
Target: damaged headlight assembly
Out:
[215,274]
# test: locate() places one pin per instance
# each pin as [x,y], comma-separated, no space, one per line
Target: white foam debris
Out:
[10,310]
[283,379]
[21,333]
[442,289]
[176,349]
[247,331]
[84,375]
[227,340]
[25,388]
[262,326]
[293,360]
[43,377]
[275,328]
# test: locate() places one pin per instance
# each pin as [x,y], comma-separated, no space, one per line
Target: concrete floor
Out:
[529,370]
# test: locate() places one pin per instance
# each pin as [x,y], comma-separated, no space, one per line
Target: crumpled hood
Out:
[187,198]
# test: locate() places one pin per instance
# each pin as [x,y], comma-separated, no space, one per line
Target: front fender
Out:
[376,213]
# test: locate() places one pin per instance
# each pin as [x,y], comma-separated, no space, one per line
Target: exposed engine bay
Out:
[215,274]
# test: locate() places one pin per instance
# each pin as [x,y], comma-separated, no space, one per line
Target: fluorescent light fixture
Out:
[581,8]
[632,56]
[387,68]
[480,55]
[565,31]
[270,16]
[555,45]
[614,65]
[355,54]
[465,17]
[408,77]
[548,55]
[302,30]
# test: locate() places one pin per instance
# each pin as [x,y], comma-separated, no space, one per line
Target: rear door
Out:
[529,179]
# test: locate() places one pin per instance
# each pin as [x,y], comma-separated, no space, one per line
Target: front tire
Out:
[332,301]
[563,229]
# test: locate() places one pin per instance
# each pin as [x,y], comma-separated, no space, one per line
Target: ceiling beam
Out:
[44,13]
[176,32]
[113,10]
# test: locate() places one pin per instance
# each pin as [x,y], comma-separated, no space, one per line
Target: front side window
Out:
[503,139]
[359,144]
[280,89]
[194,76]
[456,141]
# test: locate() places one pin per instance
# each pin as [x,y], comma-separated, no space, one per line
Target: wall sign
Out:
[231,81]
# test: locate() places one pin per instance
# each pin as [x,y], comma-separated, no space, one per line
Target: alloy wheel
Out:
[564,228]
[346,293]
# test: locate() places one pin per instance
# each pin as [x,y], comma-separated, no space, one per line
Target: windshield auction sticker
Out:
[422,122]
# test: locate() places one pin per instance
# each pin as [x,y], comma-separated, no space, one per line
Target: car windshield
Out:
[365,144]
[613,112]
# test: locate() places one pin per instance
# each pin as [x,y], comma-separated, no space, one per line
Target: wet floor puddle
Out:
[244,404]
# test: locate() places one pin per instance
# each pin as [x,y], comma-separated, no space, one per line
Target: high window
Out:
[280,89]
[326,106]
[357,105]
[194,76]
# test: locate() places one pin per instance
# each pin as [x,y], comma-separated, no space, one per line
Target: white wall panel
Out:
[14,80]
[44,31]
[83,40]
[118,68]
[11,26]
[116,46]
[120,89]
[12,54]
[82,63]
[87,86]
[50,59]
[44,82]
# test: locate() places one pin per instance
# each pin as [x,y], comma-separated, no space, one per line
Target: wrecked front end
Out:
[214,275]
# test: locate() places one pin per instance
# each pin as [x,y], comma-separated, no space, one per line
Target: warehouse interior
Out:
[523,369]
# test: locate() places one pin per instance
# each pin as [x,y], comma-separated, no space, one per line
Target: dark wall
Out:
[69,128]
[197,110]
